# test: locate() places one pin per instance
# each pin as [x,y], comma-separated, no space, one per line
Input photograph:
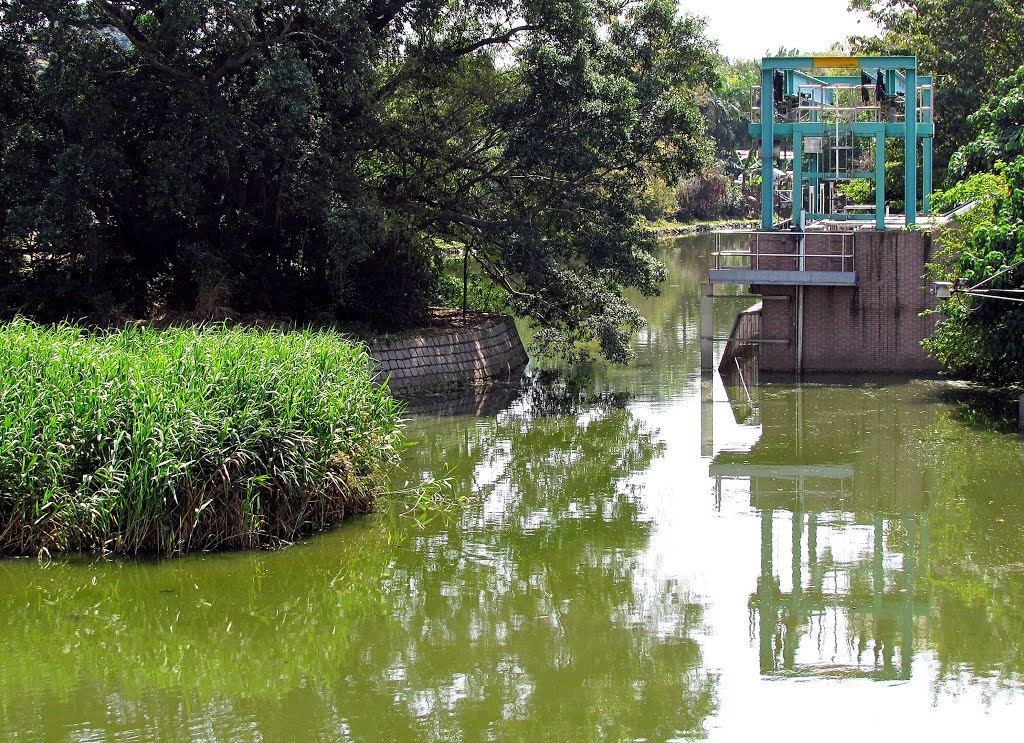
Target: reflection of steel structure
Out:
[833,122]
[864,604]
[878,620]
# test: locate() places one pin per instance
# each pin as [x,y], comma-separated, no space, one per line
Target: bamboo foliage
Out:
[184,439]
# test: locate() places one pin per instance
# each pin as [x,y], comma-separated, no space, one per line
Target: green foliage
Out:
[968,44]
[709,194]
[184,439]
[983,338]
[987,191]
[306,159]
[1000,130]
[659,200]
[727,109]
[482,294]
[859,191]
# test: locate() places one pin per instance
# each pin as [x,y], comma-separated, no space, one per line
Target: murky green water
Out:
[643,557]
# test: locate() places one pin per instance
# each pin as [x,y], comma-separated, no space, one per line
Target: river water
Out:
[643,556]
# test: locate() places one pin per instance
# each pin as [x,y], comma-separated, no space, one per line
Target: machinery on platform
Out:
[837,127]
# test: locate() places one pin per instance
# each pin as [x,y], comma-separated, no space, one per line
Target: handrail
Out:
[847,248]
[808,106]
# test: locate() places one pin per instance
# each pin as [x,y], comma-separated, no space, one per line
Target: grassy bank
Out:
[670,228]
[184,439]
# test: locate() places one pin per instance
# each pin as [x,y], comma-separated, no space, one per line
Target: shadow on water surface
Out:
[983,409]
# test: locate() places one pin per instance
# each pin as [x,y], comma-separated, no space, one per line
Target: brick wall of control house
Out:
[875,326]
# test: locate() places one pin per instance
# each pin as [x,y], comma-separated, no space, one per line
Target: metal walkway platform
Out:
[782,278]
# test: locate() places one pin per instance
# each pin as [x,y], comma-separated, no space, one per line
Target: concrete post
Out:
[926,174]
[926,155]
[707,327]
[707,415]
[880,181]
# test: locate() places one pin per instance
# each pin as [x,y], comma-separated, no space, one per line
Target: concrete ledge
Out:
[782,278]
[482,352]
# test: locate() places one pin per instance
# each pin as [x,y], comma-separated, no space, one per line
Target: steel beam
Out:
[880,181]
[767,132]
[910,149]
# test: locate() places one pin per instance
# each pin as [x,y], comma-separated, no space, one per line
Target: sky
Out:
[748,29]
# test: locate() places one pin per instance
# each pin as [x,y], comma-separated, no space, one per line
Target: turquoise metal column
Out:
[910,147]
[798,177]
[926,152]
[880,180]
[767,147]
[926,175]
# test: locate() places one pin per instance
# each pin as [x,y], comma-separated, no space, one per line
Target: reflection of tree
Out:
[668,347]
[529,620]
[977,549]
[115,645]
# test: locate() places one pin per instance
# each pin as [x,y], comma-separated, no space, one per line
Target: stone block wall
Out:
[875,326]
[487,349]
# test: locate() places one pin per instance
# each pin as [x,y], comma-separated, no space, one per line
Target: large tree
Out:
[983,337]
[968,44]
[310,158]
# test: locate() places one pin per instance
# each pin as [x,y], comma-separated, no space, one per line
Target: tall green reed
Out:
[184,439]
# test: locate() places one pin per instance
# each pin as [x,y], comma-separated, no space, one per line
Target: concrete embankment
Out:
[483,350]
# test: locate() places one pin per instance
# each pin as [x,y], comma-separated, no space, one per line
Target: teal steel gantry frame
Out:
[796,104]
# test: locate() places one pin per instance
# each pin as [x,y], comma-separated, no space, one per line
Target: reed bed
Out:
[169,441]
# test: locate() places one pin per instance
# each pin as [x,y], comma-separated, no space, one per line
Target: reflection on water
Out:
[889,506]
[830,471]
[647,554]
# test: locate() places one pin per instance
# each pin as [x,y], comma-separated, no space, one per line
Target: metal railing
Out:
[809,105]
[762,251]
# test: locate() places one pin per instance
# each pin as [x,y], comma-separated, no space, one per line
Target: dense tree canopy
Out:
[968,44]
[983,338]
[312,159]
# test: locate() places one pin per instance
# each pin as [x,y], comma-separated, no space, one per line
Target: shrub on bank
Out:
[184,439]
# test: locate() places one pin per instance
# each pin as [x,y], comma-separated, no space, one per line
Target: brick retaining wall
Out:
[875,326]
[481,352]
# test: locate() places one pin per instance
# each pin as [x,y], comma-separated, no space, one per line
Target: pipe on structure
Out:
[799,330]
